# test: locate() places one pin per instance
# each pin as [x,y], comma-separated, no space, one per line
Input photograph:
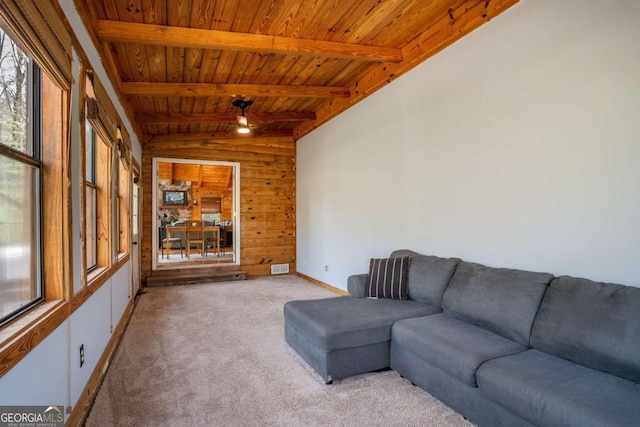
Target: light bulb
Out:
[244,129]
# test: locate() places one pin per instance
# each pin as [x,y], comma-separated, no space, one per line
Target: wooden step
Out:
[195,275]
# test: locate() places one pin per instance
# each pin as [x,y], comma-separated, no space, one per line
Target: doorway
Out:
[195,205]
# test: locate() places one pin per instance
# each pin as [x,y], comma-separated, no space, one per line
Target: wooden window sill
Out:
[97,276]
[23,334]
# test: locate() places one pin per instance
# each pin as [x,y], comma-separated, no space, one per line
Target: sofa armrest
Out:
[356,285]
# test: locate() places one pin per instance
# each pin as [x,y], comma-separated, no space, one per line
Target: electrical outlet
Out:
[304,261]
[326,268]
[81,355]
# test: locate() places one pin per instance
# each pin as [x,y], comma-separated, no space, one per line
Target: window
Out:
[211,209]
[99,166]
[21,283]
[91,199]
[98,200]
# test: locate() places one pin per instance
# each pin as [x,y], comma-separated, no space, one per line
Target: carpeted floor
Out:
[215,355]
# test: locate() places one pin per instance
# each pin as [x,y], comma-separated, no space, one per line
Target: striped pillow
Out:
[388,278]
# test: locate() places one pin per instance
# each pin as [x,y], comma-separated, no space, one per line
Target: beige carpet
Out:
[215,355]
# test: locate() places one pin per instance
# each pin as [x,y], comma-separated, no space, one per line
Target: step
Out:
[211,270]
[191,277]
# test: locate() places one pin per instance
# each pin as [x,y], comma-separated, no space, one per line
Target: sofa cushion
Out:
[551,391]
[502,300]
[388,278]
[342,322]
[593,324]
[357,285]
[429,277]
[453,345]
[403,252]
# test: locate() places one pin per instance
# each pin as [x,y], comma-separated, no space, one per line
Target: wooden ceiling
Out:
[178,64]
[204,176]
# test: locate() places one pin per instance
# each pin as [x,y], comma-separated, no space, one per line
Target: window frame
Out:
[26,329]
[32,158]
[90,182]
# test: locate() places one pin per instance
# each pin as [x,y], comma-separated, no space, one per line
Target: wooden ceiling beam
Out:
[218,136]
[454,25]
[161,35]
[230,178]
[238,90]
[181,118]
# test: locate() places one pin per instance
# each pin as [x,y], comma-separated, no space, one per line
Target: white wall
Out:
[41,377]
[518,147]
[51,374]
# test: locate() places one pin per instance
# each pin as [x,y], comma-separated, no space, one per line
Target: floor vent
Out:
[280,269]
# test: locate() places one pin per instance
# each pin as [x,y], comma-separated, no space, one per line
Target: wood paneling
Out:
[181,62]
[267,197]
[104,202]
[56,204]
[161,35]
[232,90]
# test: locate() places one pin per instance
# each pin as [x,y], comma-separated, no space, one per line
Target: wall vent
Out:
[279,268]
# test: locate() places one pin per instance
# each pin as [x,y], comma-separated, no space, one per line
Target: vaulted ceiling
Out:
[178,65]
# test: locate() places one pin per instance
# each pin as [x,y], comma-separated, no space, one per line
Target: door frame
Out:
[235,215]
[136,244]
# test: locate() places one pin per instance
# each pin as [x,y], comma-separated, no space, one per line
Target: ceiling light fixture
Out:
[243,123]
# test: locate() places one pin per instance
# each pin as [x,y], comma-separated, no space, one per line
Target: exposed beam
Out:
[454,25]
[160,35]
[240,90]
[230,178]
[180,118]
[218,136]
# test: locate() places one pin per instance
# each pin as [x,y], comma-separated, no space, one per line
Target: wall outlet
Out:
[81,355]
[326,268]
[304,261]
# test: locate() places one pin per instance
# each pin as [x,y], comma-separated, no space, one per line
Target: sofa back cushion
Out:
[501,300]
[398,253]
[591,323]
[429,277]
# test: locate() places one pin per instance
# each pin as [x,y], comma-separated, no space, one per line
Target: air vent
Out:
[280,269]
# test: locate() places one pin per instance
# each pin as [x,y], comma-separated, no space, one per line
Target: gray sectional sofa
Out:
[502,347]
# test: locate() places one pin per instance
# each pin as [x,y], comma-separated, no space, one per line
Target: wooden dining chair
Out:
[167,240]
[195,236]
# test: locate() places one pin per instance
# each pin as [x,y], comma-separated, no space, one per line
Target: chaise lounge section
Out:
[502,347]
[344,336]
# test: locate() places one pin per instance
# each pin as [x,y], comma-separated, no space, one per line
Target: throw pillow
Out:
[388,278]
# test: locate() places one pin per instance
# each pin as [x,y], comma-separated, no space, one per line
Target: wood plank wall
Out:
[267,197]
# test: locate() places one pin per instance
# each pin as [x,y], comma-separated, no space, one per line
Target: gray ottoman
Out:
[345,336]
